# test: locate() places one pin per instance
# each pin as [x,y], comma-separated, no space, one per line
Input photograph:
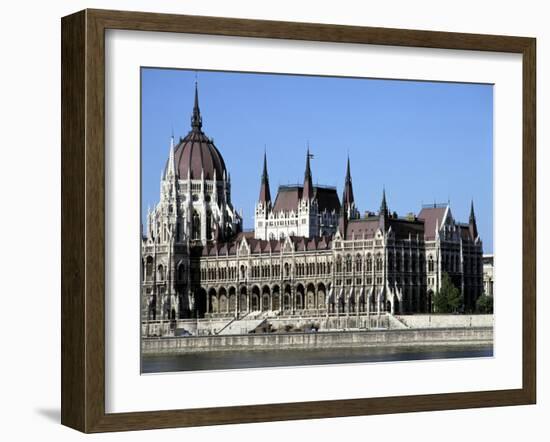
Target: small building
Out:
[488,277]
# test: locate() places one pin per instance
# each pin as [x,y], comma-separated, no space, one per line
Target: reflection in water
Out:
[223,360]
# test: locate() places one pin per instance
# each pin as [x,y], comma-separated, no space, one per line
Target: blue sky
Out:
[422,141]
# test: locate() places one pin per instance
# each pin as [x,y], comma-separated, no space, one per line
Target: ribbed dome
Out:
[196,154]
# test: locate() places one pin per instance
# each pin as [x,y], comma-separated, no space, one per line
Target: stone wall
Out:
[388,338]
[439,321]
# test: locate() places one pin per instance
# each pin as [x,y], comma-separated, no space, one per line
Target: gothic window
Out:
[287,270]
[196,225]
[149,268]
[338,264]
[348,263]
[358,263]
[181,272]
[243,272]
[390,262]
[369,263]
[160,273]
[209,225]
[378,262]
[430,264]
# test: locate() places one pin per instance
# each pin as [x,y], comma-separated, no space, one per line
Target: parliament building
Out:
[310,253]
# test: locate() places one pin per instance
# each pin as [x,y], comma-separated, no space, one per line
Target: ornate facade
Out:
[309,253]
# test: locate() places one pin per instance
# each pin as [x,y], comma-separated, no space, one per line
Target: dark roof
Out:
[288,197]
[402,228]
[432,216]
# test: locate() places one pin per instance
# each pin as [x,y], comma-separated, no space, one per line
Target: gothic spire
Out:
[472,225]
[347,198]
[196,119]
[308,182]
[265,194]
[383,215]
[384,205]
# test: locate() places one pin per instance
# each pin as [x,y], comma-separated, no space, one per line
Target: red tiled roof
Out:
[288,197]
[358,227]
[432,216]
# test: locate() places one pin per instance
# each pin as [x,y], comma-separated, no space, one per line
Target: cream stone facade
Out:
[309,254]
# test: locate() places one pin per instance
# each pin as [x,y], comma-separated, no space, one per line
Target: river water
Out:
[224,360]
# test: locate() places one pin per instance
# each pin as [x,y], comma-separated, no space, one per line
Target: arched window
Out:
[243,272]
[430,264]
[181,272]
[378,262]
[149,268]
[358,263]
[196,225]
[369,263]
[160,273]
[209,225]
[338,264]
[287,270]
[348,263]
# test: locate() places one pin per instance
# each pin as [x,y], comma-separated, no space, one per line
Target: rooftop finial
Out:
[384,205]
[196,119]
[307,193]
[265,194]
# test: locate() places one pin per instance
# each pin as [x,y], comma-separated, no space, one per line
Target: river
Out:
[224,360]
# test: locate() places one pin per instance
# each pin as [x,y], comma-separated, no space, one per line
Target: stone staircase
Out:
[243,325]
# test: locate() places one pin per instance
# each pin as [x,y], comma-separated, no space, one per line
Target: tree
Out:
[448,299]
[484,304]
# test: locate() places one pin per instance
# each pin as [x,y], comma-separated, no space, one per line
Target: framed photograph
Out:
[267,221]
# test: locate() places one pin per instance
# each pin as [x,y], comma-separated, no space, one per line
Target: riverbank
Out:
[470,336]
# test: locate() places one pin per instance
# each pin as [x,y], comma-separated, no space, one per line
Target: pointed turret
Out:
[171,160]
[472,225]
[196,119]
[265,194]
[308,182]
[383,214]
[347,199]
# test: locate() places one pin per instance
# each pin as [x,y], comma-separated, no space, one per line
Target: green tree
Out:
[484,304]
[449,298]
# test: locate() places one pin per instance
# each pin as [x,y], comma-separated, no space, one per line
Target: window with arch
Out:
[430,263]
[287,270]
[378,262]
[338,264]
[196,225]
[369,263]
[209,225]
[243,272]
[160,273]
[149,268]
[181,272]
[358,263]
[348,263]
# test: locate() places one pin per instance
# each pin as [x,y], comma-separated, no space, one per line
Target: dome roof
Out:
[196,153]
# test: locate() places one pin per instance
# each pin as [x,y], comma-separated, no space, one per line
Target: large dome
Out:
[196,153]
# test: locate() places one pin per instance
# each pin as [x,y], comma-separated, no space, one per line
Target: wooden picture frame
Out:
[83,220]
